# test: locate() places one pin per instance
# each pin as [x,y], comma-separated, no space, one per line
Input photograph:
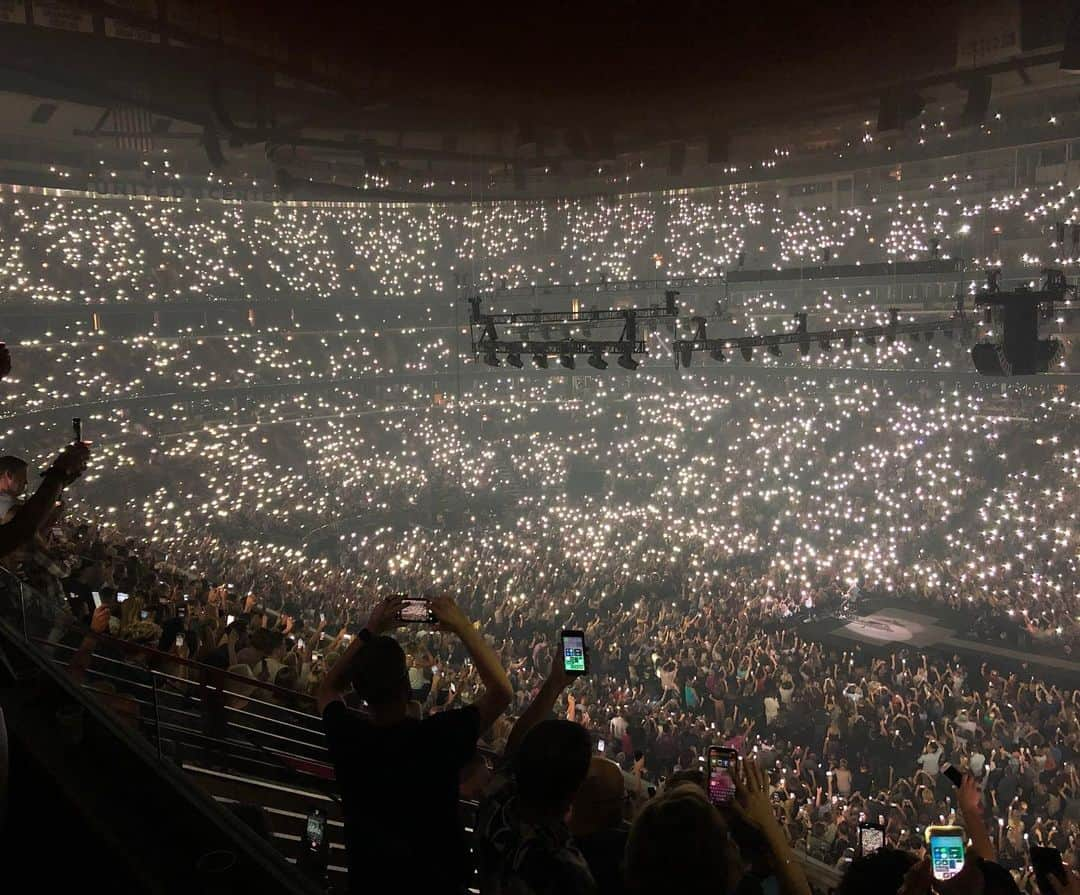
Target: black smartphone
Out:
[871,838]
[575,655]
[1046,862]
[954,775]
[76,427]
[416,609]
[722,762]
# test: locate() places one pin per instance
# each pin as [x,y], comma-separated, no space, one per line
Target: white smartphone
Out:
[120,597]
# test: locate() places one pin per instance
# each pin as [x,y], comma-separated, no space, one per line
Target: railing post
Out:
[157,715]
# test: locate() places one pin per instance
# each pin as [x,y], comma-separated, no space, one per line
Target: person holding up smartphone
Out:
[390,767]
[27,519]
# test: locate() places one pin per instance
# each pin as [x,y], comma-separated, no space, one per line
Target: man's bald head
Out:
[598,804]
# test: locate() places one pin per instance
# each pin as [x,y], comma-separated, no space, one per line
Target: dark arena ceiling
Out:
[321,100]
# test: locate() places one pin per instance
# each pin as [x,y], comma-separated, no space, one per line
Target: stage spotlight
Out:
[717,354]
[627,362]
[596,361]
[747,352]
[541,361]
[775,350]
[491,358]
[567,360]
[514,360]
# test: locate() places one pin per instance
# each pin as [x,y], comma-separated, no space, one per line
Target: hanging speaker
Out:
[1070,56]
[978,102]
[677,159]
[717,148]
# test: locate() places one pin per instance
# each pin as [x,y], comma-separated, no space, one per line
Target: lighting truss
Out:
[802,337]
[486,340]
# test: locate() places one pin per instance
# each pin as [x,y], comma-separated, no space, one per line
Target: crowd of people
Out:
[87,251]
[688,531]
[692,617]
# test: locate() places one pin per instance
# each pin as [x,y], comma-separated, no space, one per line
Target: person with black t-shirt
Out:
[393,769]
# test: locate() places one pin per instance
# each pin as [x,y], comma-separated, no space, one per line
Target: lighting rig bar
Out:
[566,349]
[669,309]
[684,348]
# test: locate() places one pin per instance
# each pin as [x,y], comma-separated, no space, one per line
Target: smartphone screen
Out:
[573,648]
[316,829]
[96,598]
[179,639]
[947,853]
[316,657]
[871,838]
[416,610]
[144,614]
[229,619]
[600,746]
[721,775]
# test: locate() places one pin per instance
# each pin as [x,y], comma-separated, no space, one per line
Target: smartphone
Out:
[120,597]
[575,655]
[299,643]
[316,657]
[76,427]
[316,830]
[229,619]
[322,616]
[954,775]
[96,597]
[871,838]
[416,609]
[181,611]
[180,640]
[1046,862]
[946,850]
[600,746]
[722,762]
[144,614]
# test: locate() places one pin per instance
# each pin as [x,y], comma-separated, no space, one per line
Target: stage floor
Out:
[884,627]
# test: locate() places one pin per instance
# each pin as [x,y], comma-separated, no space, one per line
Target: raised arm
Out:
[33,514]
[541,706]
[336,680]
[497,691]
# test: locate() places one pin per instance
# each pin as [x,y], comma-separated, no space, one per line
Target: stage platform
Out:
[883,627]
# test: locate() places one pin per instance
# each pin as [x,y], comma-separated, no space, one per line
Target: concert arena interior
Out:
[612,450]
